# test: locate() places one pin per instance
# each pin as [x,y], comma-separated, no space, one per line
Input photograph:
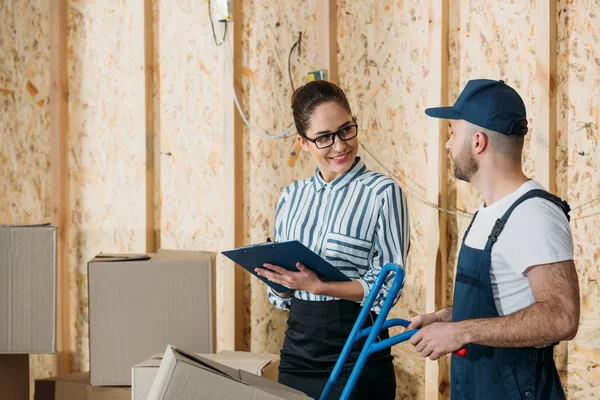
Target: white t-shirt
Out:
[537,232]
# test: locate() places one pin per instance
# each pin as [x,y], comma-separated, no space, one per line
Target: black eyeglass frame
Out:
[333,135]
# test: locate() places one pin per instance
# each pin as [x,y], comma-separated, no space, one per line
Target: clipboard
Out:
[286,255]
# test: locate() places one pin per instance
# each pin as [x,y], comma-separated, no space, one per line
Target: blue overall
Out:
[492,372]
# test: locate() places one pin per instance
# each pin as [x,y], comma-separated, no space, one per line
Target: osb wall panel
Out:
[579,106]
[383,66]
[497,42]
[493,40]
[269,32]
[24,122]
[189,106]
[24,112]
[107,142]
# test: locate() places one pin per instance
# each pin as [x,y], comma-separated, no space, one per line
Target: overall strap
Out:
[469,228]
[500,222]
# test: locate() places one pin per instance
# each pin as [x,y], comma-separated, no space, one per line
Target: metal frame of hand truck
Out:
[371,346]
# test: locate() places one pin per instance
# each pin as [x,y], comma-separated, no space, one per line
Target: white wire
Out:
[239,108]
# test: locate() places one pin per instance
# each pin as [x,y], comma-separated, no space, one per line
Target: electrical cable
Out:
[290,60]
[239,108]
[212,25]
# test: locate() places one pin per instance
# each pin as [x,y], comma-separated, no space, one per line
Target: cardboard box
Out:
[140,303]
[267,365]
[183,376]
[14,376]
[28,289]
[77,387]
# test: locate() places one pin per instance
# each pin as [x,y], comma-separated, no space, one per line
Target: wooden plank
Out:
[327,37]
[233,311]
[545,93]
[545,117]
[436,372]
[294,153]
[59,132]
[327,57]
[150,134]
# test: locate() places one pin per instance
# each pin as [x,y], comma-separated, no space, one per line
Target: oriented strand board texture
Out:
[579,177]
[269,32]
[24,112]
[107,142]
[496,41]
[383,66]
[189,107]
[25,122]
[493,40]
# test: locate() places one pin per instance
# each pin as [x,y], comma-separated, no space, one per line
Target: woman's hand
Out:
[305,279]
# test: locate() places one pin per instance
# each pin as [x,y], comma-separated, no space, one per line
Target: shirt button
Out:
[532,357]
[527,394]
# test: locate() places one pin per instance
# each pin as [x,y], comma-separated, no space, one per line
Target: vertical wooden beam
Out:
[545,93]
[149,99]
[545,118]
[233,311]
[59,159]
[327,57]
[327,37]
[436,372]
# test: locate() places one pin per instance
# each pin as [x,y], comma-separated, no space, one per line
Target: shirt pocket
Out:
[348,253]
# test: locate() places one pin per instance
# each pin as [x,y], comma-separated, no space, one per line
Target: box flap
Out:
[46,224]
[186,376]
[268,385]
[206,364]
[251,362]
[105,257]
[150,363]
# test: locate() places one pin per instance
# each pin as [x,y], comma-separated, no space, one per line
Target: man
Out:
[516,293]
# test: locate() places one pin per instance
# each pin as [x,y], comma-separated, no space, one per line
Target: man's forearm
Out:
[537,325]
[443,315]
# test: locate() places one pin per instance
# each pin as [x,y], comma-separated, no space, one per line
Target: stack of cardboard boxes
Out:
[138,305]
[27,303]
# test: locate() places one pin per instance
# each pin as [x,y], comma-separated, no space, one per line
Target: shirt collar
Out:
[339,183]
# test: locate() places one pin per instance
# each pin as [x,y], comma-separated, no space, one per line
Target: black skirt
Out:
[316,334]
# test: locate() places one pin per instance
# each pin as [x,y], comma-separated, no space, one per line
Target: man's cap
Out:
[490,104]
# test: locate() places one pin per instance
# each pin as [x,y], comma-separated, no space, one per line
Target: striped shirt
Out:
[358,223]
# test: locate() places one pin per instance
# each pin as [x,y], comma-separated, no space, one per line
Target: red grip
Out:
[461,352]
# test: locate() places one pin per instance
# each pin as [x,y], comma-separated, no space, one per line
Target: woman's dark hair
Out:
[308,97]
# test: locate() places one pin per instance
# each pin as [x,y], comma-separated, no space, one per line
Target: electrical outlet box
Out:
[318,75]
[222,10]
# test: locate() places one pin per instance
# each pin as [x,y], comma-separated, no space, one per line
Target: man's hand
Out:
[305,279]
[438,339]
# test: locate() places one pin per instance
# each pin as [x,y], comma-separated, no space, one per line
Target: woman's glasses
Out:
[324,141]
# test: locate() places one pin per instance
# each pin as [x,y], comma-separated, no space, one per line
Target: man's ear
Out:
[479,142]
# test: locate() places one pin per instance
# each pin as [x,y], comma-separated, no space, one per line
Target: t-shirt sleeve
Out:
[538,233]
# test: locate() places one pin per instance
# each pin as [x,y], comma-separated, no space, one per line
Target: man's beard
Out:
[465,165]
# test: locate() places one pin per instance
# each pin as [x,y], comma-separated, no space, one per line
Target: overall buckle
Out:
[498,227]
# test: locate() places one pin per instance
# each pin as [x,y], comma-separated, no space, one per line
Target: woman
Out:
[354,218]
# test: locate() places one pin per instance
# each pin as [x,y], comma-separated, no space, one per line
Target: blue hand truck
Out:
[371,346]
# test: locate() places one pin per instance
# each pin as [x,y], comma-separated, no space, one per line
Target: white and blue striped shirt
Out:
[358,223]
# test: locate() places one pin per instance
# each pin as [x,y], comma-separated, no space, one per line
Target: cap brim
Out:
[442,112]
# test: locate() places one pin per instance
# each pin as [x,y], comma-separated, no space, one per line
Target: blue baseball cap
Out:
[490,104]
